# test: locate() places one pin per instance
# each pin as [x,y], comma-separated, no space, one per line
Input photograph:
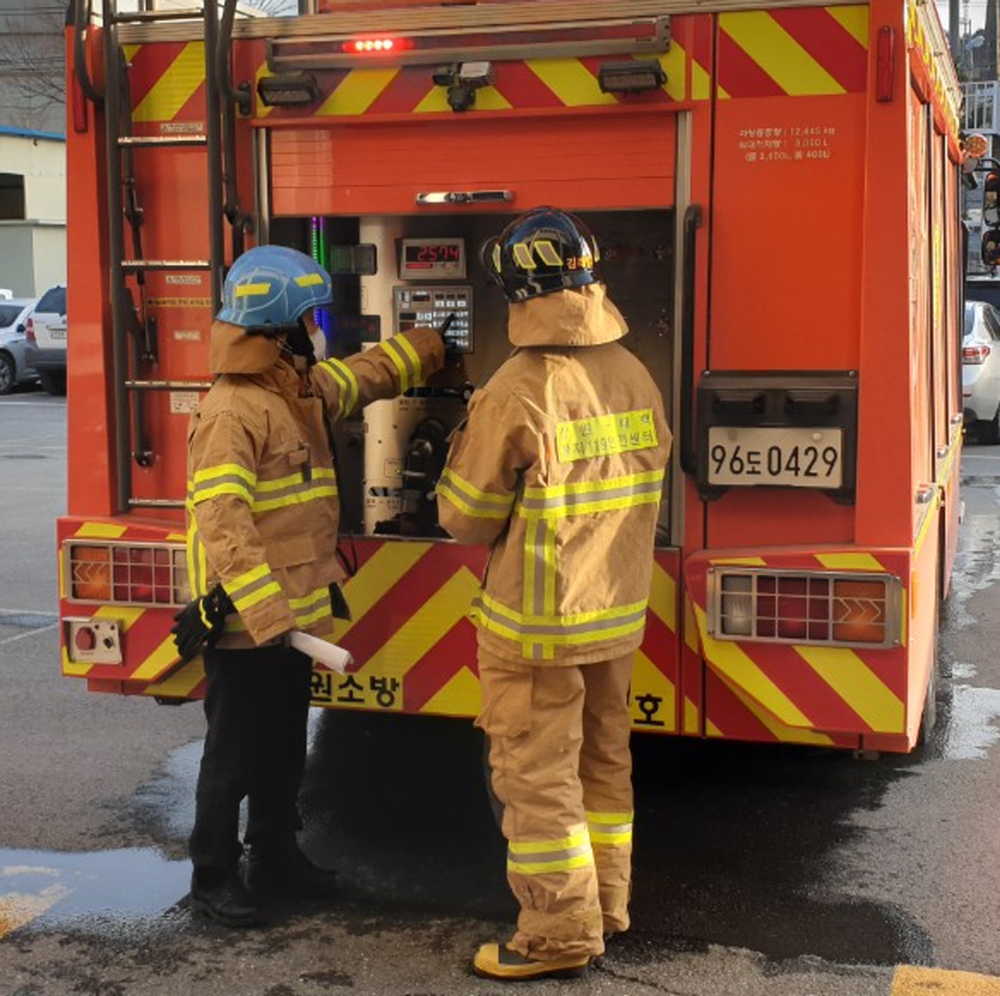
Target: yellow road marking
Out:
[908,980]
[16,909]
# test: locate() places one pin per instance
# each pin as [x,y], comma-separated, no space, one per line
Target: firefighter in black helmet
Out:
[559,469]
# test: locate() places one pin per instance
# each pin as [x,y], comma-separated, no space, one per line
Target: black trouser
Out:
[257,706]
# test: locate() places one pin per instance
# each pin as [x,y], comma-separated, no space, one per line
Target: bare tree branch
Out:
[32,65]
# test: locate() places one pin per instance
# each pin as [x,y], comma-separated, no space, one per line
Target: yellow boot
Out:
[499,962]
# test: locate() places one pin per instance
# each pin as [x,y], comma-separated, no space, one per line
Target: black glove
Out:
[200,622]
[338,603]
[442,330]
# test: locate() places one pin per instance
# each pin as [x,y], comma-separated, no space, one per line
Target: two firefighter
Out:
[558,468]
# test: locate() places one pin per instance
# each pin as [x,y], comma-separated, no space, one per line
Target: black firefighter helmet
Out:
[542,251]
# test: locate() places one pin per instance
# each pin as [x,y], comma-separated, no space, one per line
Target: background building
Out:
[32,210]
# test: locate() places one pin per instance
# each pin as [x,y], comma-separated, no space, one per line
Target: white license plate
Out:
[801,458]
[57,333]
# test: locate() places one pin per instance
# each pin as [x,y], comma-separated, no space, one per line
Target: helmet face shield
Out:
[268,288]
[543,251]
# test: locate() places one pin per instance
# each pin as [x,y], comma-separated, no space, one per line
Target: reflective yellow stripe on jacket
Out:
[539,634]
[538,626]
[252,587]
[471,500]
[308,609]
[538,857]
[344,377]
[262,496]
[406,360]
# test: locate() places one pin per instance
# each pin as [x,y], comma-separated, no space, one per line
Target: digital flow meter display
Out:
[415,306]
[432,259]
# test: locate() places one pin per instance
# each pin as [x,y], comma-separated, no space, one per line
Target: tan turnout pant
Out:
[562,767]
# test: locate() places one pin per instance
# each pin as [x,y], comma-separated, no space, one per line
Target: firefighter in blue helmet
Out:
[263,514]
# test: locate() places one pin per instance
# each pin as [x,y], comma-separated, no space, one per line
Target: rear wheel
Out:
[8,375]
[53,381]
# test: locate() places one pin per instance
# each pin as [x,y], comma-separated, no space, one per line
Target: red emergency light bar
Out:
[376,46]
[290,52]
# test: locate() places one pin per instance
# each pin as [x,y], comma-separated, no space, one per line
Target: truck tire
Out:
[53,381]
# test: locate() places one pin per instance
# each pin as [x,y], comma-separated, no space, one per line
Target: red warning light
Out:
[375,46]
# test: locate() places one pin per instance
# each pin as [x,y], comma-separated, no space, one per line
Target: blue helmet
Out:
[273,285]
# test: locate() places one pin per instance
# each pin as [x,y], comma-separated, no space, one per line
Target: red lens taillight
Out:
[375,46]
[142,574]
[126,575]
[29,330]
[805,608]
[975,354]
[791,608]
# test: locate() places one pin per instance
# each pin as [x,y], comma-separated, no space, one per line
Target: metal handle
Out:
[692,222]
[926,494]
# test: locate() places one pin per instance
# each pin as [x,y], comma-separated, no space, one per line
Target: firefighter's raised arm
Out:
[392,367]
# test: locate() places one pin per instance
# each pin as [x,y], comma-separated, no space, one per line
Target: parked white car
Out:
[14,369]
[981,371]
[46,332]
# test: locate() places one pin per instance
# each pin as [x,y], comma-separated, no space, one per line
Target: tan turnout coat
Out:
[560,467]
[262,500]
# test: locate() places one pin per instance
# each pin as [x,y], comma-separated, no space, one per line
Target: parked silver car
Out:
[981,370]
[46,329]
[14,370]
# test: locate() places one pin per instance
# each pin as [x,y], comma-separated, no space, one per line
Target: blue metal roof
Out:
[53,136]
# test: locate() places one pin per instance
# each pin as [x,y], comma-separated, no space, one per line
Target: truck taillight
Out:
[127,574]
[975,354]
[376,46]
[785,607]
[29,330]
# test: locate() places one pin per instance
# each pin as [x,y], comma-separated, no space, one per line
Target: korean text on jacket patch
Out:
[603,434]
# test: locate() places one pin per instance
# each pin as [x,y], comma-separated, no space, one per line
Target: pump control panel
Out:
[414,306]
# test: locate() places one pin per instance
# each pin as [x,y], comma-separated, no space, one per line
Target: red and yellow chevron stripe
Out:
[149,648]
[798,693]
[410,632]
[792,52]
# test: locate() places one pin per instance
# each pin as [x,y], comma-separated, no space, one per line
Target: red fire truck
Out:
[774,189]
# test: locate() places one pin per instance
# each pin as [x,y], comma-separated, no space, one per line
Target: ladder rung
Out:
[151,16]
[165,264]
[168,385]
[134,140]
[154,503]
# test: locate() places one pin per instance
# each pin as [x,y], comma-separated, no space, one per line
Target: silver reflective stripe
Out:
[244,591]
[543,857]
[573,500]
[635,615]
[410,372]
[490,506]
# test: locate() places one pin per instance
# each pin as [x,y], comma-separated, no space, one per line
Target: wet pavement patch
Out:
[98,890]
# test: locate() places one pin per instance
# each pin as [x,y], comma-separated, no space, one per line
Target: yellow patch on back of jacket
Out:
[600,435]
